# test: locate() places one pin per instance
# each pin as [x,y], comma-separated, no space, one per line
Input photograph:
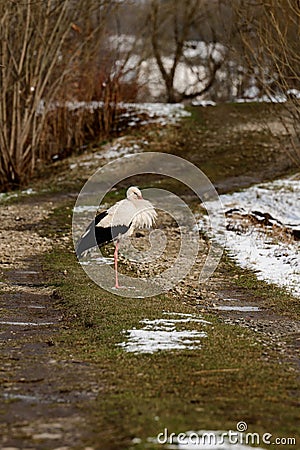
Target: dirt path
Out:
[41,391]
[47,392]
[46,397]
[236,305]
[275,331]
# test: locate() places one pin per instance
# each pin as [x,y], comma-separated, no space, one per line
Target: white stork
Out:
[122,219]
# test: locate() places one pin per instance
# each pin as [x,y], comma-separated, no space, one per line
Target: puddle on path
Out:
[238,308]
[46,397]
[31,324]
[98,260]
[36,307]
[165,334]
[27,398]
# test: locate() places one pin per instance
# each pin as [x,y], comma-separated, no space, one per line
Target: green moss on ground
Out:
[227,380]
[231,377]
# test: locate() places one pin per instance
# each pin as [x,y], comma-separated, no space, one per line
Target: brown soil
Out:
[44,396]
[39,408]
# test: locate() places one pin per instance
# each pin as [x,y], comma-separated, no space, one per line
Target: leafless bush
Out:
[32,39]
[269,33]
[52,52]
[175,30]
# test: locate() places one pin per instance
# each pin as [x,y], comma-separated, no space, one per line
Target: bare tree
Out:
[269,33]
[172,26]
[41,46]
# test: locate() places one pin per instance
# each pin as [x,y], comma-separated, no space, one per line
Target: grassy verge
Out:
[268,295]
[227,380]
[231,143]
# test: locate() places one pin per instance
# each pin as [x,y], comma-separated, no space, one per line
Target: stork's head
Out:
[133,193]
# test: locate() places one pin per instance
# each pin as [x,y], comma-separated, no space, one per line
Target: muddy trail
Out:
[46,397]
[40,390]
[48,391]
[237,306]
[37,405]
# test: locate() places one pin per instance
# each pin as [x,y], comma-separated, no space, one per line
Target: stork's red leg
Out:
[116,265]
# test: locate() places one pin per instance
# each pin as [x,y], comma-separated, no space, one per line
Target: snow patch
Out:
[273,257]
[97,260]
[8,195]
[238,308]
[86,208]
[203,103]
[161,113]
[163,334]
[22,324]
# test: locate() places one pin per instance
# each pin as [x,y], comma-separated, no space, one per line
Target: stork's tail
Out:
[80,248]
[87,241]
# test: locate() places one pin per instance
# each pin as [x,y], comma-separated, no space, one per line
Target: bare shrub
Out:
[269,33]
[188,46]
[52,52]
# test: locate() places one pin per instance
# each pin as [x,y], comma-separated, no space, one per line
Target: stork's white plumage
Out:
[122,219]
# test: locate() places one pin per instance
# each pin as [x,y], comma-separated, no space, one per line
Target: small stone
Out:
[43,436]
[62,448]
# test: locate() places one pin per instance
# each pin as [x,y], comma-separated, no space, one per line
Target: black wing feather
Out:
[97,236]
